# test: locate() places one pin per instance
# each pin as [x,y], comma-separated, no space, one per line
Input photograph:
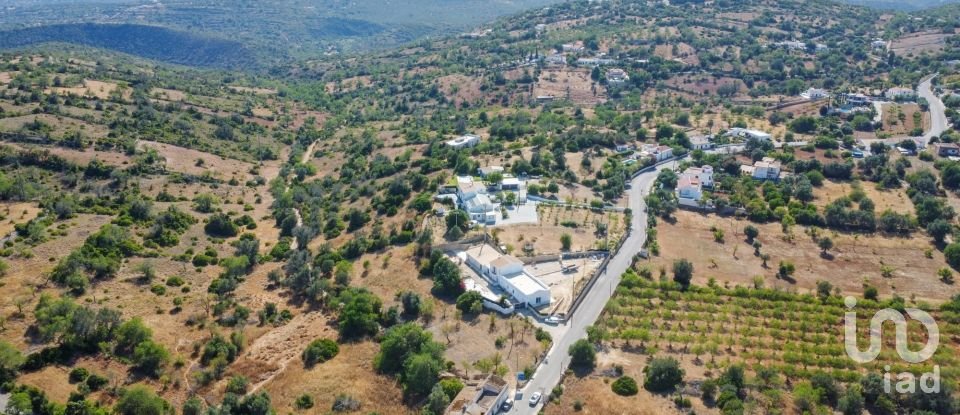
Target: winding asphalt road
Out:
[938,116]
[557,360]
[550,370]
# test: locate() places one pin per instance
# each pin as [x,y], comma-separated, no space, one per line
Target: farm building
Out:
[506,272]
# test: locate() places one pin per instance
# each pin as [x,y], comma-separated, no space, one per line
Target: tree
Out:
[437,401]
[130,334]
[662,374]
[10,361]
[459,219]
[824,289]
[150,357]
[138,400]
[682,272]
[319,351]
[470,302]
[952,255]
[803,125]
[625,386]
[852,402]
[193,406]
[205,203]
[400,343]
[582,354]
[939,229]
[825,244]
[566,241]
[446,277]
[751,232]
[420,374]
[786,269]
[360,312]
[221,226]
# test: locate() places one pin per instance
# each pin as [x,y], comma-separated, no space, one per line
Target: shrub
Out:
[78,374]
[662,374]
[582,353]
[175,281]
[952,254]
[304,402]
[220,225]
[96,382]
[345,403]
[320,351]
[625,386]
[470,302]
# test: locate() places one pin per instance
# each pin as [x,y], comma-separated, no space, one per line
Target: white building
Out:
[572,47]
[879,44]
[745,134]
[484,399]
[815,94]
[856,100]
[506,272]
[701,142]
[556,59]
[475,201]
[464,141]
[898,93]
[691,183]
[488,170]
[655,152]
[766,169]
[617,77]
[595,61]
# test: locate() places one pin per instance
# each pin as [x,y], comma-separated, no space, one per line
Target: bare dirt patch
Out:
[92,89]
[184,160]
[917,43]
[573,83]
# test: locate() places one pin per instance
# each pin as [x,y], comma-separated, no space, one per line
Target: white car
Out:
[535,398]
[507,404]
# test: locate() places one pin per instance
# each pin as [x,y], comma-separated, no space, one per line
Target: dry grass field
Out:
[856,259]
[915,44]
[575,83]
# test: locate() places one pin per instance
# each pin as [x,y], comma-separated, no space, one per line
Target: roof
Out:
[484,254]
[479,399]
[480,201]
[948,145]
[699,139]
[688,180]
[506,260]
[526,283]
[511,181]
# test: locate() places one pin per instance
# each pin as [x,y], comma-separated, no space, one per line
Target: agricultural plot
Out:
[583,225]
[796,334]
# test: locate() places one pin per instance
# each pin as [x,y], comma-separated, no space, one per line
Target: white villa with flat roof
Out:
[748,134]
[464,141]
[766,169]
[691,183]
[507,272]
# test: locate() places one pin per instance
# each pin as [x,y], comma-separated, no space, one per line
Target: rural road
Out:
[548,373]
[938,116]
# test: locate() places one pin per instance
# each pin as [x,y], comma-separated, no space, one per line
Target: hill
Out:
[273,32]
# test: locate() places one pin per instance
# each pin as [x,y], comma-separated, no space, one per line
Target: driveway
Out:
[521,214]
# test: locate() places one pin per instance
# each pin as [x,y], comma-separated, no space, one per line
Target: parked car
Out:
[507,404]
[535,398]
[554,320]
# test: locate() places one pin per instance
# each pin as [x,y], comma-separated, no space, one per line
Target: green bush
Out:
[625,386]
[78,374]
[662,374]
[320,351]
